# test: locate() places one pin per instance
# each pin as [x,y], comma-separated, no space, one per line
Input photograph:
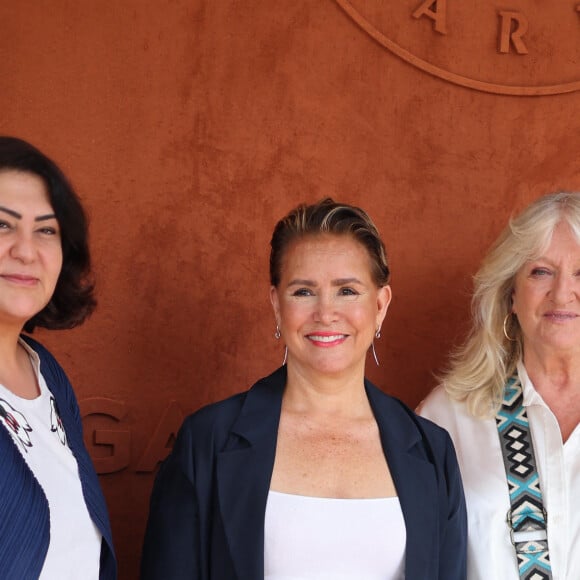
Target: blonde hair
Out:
[478,369]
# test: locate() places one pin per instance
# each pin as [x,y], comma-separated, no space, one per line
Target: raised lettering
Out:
[162,438]
[513,25]
[119,440]
[437,11]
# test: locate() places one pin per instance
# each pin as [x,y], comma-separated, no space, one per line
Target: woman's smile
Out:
[326,339]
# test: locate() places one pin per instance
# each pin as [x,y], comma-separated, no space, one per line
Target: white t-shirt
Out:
[315,538]
[75,542]
[490,552]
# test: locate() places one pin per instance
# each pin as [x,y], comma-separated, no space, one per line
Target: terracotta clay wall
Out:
[191,126]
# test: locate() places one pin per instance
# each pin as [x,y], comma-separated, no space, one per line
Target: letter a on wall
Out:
[437,11]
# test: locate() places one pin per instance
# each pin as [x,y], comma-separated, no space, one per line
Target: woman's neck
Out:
[315,393]
[16,371]
[557,380]
[553,371]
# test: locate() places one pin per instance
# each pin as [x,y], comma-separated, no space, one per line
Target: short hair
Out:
[329,217]
[73,298]
[479,369]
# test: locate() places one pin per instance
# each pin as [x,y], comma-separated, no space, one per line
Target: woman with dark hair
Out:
[313,473]
[53,516]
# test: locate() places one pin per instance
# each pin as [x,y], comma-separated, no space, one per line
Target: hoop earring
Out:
[285,355]
[505,332]
[277,334]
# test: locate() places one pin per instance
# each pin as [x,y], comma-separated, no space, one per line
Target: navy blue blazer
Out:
[206,518]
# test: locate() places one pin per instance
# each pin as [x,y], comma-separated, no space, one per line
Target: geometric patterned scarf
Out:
[527,518]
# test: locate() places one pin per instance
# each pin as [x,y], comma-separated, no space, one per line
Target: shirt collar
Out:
[531,396]
[34,358]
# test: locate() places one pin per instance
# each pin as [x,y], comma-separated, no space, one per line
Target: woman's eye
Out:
[49,231]
[539,272]
[348,292]
[302,292]
[4,225]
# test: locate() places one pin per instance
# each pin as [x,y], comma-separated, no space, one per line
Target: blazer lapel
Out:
[415,481]
[244,469]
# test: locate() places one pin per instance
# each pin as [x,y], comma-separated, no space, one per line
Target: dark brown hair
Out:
[73,298]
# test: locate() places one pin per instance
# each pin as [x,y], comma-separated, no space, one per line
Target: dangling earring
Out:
[377,335]
[277,336]
[505,332]
[375,354]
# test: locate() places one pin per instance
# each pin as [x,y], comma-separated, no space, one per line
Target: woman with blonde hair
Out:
[511,399]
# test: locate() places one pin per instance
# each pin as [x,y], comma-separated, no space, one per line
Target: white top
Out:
[75,542]
[490,552]
[315,538]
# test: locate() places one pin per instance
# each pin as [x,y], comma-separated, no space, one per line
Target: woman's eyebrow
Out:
[41,218]
[345,281]
[301,282]
[18,216]
[11,212]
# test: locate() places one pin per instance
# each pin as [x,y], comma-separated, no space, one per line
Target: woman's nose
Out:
[23,248]
[325,310]
[563,289]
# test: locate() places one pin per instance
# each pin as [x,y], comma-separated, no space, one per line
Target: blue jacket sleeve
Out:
[453,554]
[171,544]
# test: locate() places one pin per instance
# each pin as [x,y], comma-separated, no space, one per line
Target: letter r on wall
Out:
[512,27]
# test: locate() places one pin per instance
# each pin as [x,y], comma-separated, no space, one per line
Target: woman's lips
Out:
[560,315]
[20,279]
[326,339]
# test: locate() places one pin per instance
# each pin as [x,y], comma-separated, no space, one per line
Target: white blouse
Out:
[314,538]
[490,552]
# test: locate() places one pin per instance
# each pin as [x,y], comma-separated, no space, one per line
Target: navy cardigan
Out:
[207,509]
[24,510]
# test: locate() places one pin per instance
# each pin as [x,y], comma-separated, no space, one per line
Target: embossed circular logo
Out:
[516,47]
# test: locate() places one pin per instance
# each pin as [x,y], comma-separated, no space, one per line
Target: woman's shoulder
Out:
[43,353]
[438,406]
[405,419]
[214,414]
[263,396]
[50,368]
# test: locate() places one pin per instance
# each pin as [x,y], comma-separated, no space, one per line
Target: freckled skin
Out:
[330,457]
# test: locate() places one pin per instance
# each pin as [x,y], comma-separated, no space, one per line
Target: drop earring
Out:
[277,336]
[377,335]
[375,354]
